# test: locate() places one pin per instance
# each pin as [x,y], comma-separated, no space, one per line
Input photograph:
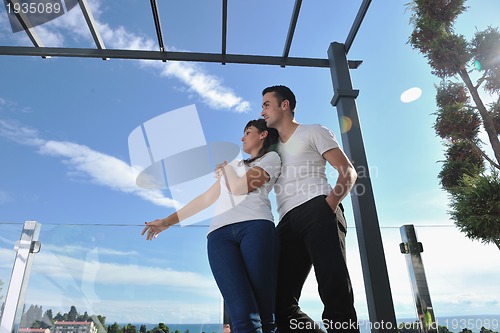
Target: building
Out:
[74,327]
[33,330]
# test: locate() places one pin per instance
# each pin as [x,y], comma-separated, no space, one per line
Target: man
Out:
[312,226]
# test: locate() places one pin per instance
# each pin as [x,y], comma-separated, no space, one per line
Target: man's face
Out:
[272,111]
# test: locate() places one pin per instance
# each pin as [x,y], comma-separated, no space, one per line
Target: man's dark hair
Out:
[282,93]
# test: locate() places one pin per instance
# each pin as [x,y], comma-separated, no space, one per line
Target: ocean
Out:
[454,324]
[183,328]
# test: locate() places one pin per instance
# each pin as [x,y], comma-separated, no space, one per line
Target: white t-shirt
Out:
[252,206]
[303,171]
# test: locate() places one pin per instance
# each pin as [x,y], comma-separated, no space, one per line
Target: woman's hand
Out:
[219,170]
[152,229]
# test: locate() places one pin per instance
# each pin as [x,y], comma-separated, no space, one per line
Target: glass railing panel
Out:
[112,272]
[9,235]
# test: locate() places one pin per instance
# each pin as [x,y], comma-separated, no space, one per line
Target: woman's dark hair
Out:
[269,142]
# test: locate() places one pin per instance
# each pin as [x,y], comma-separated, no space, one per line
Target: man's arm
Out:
[347,176]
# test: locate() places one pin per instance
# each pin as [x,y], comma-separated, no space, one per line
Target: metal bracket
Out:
[405,248]
[343,93]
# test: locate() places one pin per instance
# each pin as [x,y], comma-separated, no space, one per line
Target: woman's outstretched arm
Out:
[201,202]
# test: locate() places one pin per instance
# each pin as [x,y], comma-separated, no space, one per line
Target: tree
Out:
[32,317]
[47,319]
[48,315]
[129,328]
[143,329]
[163,327]
[84,317]
[102,319]
[474,188]
[115,328]
[72,314]
[444,329]
[58,317]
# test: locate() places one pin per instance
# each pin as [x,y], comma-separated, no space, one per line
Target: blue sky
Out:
[65,122]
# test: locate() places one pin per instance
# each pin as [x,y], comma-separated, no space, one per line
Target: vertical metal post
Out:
[25,248]
[412,248]
[376,278]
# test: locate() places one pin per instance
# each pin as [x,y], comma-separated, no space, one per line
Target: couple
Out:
[259,269]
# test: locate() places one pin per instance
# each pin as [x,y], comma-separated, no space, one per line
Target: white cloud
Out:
[209,87]
[78,249]
[150,311]
[62,268]
[9,106]
[97,167]
[72,25]
[50,37]
[120,38]
[20,134]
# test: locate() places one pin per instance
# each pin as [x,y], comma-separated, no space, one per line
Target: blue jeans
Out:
[244,258]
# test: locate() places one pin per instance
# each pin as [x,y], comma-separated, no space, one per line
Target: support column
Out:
[25,248]
[376,279]
[412,248]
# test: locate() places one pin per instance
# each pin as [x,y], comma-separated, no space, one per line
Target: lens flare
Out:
[345,124]
[411,95]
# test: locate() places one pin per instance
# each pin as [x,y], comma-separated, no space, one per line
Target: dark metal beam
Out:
[166,56]
[291,28]
[224,29]
[156,17]
[356,24]
[377,286]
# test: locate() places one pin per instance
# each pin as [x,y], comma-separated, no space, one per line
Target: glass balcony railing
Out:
[113,275]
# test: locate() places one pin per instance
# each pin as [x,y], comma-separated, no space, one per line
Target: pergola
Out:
[378,291]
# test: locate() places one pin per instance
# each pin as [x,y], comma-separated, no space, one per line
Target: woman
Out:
[242,244]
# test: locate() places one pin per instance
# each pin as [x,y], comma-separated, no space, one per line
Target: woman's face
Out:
[252,140]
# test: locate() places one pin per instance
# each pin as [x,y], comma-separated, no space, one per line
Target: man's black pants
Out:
[313,235]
